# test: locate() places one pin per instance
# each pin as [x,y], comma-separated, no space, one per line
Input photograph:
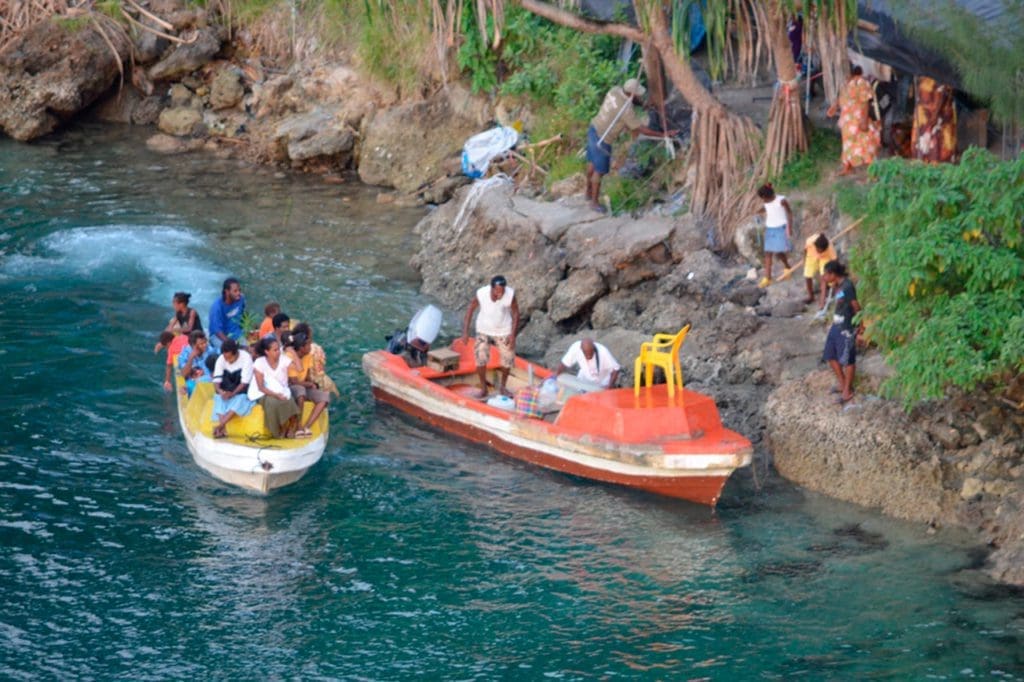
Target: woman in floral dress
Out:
[861,136]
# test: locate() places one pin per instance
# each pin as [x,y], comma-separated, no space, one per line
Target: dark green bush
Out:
[941,266]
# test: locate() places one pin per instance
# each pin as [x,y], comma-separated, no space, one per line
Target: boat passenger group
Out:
[278,367]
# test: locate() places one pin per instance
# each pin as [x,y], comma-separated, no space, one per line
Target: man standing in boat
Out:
[495,325]
[597,364]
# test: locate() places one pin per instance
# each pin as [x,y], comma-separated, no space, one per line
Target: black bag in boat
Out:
[229,381]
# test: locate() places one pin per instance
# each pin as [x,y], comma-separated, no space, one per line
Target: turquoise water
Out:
[404,552]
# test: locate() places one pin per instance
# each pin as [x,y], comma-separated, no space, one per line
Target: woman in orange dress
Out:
[861,136]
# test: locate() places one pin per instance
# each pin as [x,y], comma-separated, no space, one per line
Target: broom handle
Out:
[789,271]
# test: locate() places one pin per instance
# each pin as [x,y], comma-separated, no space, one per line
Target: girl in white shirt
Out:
[778,230]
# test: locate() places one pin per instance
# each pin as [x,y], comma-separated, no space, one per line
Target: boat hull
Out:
[256,464]
[693,469]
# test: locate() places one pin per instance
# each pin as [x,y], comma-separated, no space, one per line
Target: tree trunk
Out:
[724,146]
[787,133]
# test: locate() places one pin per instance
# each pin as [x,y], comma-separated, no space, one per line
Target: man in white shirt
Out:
[597,364]
[496,325]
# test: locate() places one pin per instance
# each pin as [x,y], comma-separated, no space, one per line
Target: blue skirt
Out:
[598,153]
[239,404]
[776,241]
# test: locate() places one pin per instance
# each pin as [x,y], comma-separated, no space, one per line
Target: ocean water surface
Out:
[404,552]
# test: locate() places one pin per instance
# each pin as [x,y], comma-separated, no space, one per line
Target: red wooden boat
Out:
[674,446]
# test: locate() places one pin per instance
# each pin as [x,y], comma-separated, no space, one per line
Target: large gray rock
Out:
[315,134]
[537,337]
[871,454]
[226,90]
[406,147]
[181,121]
[184,58]
[481,234]
[128,105]
[53,71]
[575,294]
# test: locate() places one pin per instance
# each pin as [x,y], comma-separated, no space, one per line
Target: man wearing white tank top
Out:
[496,325]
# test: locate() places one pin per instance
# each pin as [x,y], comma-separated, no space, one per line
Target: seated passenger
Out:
[302,385]
[269,388]
[597,364]
[318,368]
[281,323]
[185,320]
[173,344]
[192,361]
[267,325]
[232,375]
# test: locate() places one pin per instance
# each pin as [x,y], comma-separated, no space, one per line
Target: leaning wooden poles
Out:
[787,131]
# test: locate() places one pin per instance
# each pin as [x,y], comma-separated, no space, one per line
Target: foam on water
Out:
[170,258]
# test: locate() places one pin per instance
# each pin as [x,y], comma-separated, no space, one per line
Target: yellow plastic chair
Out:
[662,351]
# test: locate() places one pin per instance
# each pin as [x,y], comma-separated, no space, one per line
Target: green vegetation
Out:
[804,170]
[941,261]
[72,24]
[628,194]
[851,196]
[559,74]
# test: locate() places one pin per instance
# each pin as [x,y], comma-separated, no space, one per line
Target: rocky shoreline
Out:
[957,462]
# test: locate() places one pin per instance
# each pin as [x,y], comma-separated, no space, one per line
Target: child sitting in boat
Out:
[267,325]
[232,375]
[193,359]
[173,344]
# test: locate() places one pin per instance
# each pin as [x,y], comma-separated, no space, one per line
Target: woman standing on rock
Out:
[841,344]
[778,221]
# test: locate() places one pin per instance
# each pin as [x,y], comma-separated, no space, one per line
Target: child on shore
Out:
[778,221]
[817,252]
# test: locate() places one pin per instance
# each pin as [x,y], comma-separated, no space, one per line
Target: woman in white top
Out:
[231,378]
[778,229]
[270,388]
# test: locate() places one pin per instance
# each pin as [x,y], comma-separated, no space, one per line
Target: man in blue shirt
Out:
[226,314]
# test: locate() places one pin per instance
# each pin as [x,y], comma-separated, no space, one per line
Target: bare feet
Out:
[481,394]
[220,431]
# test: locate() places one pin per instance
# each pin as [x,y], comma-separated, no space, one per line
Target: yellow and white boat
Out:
[248,457]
